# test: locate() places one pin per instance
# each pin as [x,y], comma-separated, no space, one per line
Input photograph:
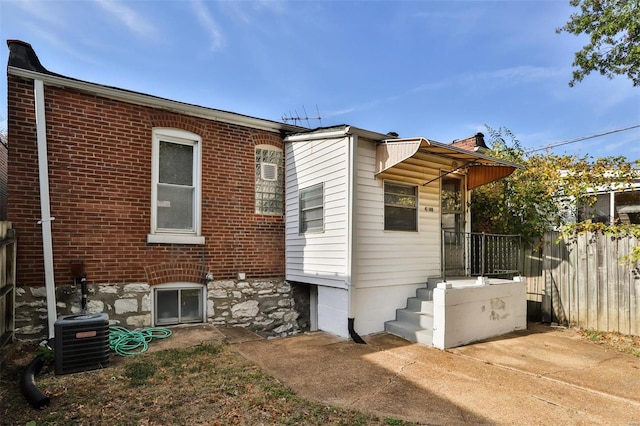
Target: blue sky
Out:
[437,69]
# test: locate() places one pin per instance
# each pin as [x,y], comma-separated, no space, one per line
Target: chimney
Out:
[472,143]
[480,141]
[22,55]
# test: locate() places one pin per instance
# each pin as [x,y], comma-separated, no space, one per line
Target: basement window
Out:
[179,303]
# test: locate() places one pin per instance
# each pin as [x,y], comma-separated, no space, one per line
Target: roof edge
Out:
[334,131]
[24,63]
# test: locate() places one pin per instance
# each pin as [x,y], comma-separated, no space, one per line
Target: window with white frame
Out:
[611,207]
[268,194]
[178,303]
[175,213]
[400,207]
[312,209]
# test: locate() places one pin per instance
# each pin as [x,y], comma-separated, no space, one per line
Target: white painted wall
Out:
[375,305]
[317,257]
[467,314]
[333,308]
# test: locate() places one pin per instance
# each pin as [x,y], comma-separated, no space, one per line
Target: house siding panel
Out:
[317,257]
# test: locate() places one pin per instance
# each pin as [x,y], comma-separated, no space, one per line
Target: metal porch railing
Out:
[480,254]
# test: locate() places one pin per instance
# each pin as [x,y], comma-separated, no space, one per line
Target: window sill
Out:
[174,239]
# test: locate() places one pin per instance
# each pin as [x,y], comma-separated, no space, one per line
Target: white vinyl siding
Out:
[317,257]
[386,266]
[384,258]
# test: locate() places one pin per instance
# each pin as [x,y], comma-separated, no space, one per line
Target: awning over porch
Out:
[482,168]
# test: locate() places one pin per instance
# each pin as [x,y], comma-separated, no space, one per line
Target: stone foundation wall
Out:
[269,307]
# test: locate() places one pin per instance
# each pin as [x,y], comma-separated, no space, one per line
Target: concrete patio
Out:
[534,376]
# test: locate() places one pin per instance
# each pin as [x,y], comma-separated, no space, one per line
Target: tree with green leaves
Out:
[543,195]
[613,27]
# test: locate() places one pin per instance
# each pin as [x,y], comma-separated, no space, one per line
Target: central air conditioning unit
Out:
[81,343]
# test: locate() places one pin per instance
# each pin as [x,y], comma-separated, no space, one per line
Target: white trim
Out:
[175,239]
[335,132]
[612,207]
[45,208]
[154,102]
[178,236]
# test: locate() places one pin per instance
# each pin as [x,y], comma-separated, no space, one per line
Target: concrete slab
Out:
[528,377]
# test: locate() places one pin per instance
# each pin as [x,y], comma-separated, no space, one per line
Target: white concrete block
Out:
[245,309]
[137,288]
[123,306]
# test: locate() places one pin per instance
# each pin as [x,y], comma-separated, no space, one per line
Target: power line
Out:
[582,138]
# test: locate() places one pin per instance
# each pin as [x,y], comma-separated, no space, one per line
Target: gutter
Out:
[45,208]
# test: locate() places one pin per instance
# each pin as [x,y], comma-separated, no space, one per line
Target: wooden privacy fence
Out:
[585,282]
[7,282]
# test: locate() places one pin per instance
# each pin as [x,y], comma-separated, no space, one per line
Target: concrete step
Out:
[424,293]
[410,332]
[433,282]
[418,304]
[419,319]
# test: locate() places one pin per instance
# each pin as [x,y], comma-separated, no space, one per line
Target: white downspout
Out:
[348,255]
[351,171]
[45,210]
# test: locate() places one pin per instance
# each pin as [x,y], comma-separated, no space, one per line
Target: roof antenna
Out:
[297,118]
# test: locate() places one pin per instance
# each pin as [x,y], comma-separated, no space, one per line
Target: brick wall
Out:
[100,183]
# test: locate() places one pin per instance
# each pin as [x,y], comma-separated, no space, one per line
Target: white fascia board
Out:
[334,132]
[154,102]
[316,135]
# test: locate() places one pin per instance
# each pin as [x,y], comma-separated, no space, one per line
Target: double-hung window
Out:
[400,207]
[312,209]
[175,214]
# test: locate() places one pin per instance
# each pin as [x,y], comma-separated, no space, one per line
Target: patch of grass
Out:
[205,384]
[624,343]
[46,353]
[280,391]
[139,372]
[390,421]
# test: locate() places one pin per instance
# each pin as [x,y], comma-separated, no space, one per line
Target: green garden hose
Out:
[126,342]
